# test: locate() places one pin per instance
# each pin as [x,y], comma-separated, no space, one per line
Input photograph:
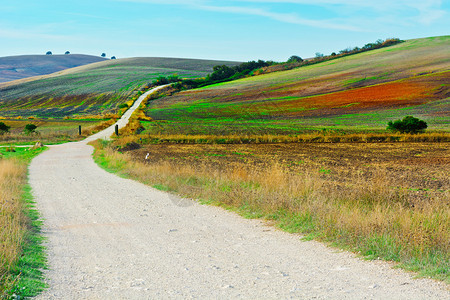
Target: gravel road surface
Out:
[114,238]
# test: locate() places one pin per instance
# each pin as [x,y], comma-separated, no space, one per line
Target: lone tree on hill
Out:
[103,54]
[49,53]
[67,53]
[408,124]
[4,128]
[113,57]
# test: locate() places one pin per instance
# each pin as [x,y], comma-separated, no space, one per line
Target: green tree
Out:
[161,80]
[30,128]
[408,124]
[294,58]
[4,128]
[222,72]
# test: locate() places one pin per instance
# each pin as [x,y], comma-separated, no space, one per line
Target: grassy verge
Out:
[21,252]
[366,215]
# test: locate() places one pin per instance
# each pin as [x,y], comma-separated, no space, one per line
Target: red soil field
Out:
[407,92]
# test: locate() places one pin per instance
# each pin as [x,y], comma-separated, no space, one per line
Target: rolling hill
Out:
[93,89]
[24,66]
[362,91]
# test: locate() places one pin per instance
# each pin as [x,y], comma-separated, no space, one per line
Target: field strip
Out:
[114,238]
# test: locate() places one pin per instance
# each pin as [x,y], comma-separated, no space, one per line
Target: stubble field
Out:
[419,169]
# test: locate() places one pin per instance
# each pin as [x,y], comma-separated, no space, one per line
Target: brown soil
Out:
[419,168]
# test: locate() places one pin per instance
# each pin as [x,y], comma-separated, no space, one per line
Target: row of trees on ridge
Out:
[68,52]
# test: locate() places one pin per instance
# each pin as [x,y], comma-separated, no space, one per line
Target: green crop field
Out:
[93,89]
[358,92]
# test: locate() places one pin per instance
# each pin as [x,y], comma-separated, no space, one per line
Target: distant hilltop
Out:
[24,66]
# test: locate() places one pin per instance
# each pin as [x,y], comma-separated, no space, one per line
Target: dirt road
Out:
[113,238]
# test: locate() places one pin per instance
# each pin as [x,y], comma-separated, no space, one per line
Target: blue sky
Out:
[229,30]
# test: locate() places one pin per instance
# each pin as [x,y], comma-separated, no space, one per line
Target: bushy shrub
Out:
[4,128]
[408,124]
[30,128]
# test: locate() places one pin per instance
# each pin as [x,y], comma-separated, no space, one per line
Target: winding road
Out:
[114,238]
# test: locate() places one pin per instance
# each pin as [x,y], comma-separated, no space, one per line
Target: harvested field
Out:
[420,169]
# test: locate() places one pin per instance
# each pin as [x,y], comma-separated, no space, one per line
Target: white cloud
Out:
[428,11]
[282,17]
[291,18]
[392,12]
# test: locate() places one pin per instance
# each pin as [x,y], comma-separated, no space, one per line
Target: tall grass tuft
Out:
[13,222]
[438,137]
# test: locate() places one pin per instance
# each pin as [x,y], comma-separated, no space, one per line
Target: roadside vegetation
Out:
[21,252]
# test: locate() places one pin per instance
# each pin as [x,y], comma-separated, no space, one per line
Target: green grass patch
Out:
[27,271]
[23,154]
